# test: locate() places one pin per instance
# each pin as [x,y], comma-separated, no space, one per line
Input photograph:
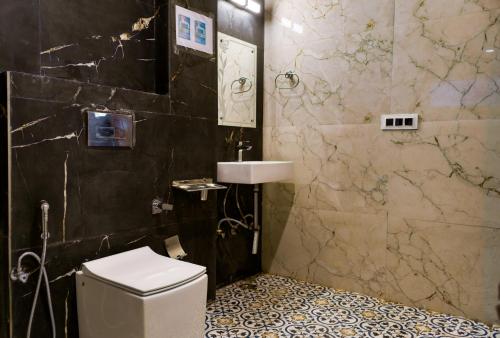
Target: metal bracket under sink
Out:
[203,185]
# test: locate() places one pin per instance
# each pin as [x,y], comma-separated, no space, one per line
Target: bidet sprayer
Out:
[45,218]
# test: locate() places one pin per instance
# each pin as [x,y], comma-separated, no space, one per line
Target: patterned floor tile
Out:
[268,306]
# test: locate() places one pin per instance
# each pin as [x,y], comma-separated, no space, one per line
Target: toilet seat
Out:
[142,271]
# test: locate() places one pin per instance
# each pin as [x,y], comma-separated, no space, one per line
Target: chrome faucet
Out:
[243,146]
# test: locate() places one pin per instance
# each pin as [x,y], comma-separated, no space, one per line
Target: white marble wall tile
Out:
[349,175]
[366,85]
[267,146]
[294,22]
[327,247]
[445,267]
[447,171]
[333,166]
[318,98]
[366,15]
[335,68]
[442,68]
[410,11]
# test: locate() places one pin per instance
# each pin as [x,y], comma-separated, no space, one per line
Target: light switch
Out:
[399,122]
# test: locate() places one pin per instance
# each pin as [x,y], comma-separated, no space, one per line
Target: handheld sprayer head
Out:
[45,206]
[45,217]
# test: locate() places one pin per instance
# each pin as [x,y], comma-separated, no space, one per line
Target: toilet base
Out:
[106,311]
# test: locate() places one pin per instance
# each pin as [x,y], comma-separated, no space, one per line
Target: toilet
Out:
[141,294]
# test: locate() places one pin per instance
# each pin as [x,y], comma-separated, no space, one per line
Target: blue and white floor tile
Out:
[270,306]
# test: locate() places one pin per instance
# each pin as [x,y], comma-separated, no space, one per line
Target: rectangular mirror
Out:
[237,82]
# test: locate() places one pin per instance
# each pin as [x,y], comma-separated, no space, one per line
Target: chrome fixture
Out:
[244,223]
[245,85]
[251,5]
[233,222]
[256,226]
[291,76]
[249,172]
[202,185]
[241,147]
[19,274]
[110,129]
[158,206]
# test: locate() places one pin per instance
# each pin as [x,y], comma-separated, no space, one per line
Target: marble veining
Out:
[461,80]
[109,55]
[97,54]
[92,214]
[234,252]
[237,86]
[386,213]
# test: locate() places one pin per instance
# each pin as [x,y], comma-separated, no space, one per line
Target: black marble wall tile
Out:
[99,184]
[4,179]
[4,288]
[101,198]
[240,23]
[234,252]
[4,252]
[105,42]
[193,98]
[162,49]
[19,35]
[85,95]
[99,41]
[193,78]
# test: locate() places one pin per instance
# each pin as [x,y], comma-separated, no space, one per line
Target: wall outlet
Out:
[399,122]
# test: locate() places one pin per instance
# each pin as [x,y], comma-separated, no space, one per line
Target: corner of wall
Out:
[4,219]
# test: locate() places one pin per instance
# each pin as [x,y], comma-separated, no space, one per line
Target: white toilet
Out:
[140,294]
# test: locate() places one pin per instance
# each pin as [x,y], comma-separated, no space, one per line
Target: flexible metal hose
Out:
[41,275]
[229,220]
[233,223]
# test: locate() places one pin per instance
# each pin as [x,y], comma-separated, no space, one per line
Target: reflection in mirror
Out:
[237,76]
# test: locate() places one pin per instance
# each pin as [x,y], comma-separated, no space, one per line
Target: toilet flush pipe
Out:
[19,274]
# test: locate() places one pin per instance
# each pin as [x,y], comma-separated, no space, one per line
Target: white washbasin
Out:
[254,172]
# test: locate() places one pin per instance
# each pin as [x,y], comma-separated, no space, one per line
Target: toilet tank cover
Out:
[142,271]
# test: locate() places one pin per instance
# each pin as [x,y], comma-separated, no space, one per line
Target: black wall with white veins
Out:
[100,198]
[104,42]
[65,58]
[4,231]
[234,258]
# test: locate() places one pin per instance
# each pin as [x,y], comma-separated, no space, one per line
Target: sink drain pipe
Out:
[256,226]
[234,223]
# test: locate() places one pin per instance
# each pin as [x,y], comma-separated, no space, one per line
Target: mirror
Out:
[237,82]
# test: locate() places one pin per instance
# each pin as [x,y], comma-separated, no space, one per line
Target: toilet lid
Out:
[142,271]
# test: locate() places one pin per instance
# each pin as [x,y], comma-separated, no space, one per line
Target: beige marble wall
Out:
[413,217]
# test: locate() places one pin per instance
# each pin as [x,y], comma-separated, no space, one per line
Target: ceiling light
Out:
[240,2]
[298,28]
[286,23]
[253,6]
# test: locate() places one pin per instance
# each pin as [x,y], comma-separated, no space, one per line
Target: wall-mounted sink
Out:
[254,172]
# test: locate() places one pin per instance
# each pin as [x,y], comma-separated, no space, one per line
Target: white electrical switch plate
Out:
[399,122]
